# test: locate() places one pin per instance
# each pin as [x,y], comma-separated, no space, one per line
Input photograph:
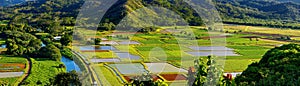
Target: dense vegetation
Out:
[19,43]
[43,71]
[279,66]
[260,13]
[66,79]
[50,16]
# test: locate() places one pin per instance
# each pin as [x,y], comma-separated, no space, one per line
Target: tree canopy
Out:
[50,51]
[19,43]
[279,66]
[67,79]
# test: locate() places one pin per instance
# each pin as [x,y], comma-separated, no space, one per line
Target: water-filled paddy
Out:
[88,48]
[163,68]
[216,53]
[104,60]
[211,50]
[221,48]
[128,42]
[126,55]
[132,69]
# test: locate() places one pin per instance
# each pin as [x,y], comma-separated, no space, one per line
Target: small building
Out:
[57,38]
[192,70]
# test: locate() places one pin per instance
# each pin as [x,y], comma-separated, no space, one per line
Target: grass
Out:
[43,70]
[12,59]
[248,52]
[106,76]
[238,65]
[9,81]
[266,30]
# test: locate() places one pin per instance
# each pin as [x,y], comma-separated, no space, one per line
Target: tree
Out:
[146,80]
[97,41]
[67,79]
[207,72]
[51,52]
[279,66]
[67,52]
[66,40]
[19,43]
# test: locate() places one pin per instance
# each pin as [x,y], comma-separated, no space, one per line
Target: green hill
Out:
[254,12]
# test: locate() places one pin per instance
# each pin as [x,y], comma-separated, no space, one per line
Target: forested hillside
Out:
[63,12]
[260,12]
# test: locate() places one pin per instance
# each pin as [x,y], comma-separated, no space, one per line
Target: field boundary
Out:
[26,73]
[119,75]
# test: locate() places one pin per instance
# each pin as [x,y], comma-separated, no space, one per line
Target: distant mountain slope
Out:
[124,7]
[298,1]
[252,12]
[260,12]
[11,2]
[260,9]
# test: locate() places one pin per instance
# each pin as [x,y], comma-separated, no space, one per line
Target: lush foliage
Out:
[279,66]
[259,13]
[66,52]
[42,70]
[66,40]
[51,52]
[97,41]
[146,80]
[19,43]
[208,72]
[66,79]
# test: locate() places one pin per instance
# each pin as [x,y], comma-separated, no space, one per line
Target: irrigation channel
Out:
[89,76]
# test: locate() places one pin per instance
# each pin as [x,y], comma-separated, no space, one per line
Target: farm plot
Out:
[101,55]
[221,48]
[216,53]
[162,68]
[130,69]
[109,42]
[104,60]
[10,59]
[9,81]
[12,67]
[10,74]
[96,48]
[42,70]
[212,50]
[128,42]
[173,77]
[107,76]
[154,77]
[126,55]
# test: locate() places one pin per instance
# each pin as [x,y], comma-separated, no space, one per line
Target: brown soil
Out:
[16,67]
[173,77]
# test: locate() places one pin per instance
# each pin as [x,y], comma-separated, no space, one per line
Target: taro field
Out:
[167,54]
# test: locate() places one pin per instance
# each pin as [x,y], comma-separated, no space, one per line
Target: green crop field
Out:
[11,59]
[42,70]
[9,81]
[107,76]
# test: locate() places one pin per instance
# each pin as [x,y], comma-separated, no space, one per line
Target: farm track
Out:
[27,72]
[94,77]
